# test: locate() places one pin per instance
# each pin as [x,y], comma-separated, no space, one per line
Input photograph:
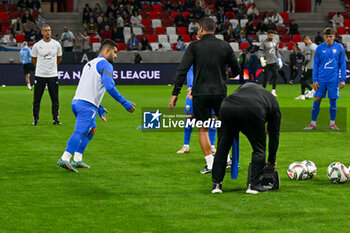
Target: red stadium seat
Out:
[244,45]
[148,30]
[2,7]
[5,23]
[13,14]
[173,14]
[290,45]
[35,14]
[20,38]
[157,8]
[230,14]
[341,30]
[186,38]
[160,31]
[146,8]
[121,46]
[94,40]
[164,15]
[5,29]
[4,16]
[297,38]
[331,14]
[280,45]
[146,22]
[174,47]
[261,15]
[281,30]
[151,38]
[181,30]
[12,7]
[144,14]
[30,44]
[185,14]
[347,23]
[153,15]
[167,22]
[285,16]
[139,37]
[285,38]
[256,22]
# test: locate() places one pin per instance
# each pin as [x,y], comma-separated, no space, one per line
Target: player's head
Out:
[109,50]
[46,32]
[270,35]
[329,35]
[25,43]
[206,26]
[307,40]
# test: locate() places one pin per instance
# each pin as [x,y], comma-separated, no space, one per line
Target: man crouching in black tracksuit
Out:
[247,110]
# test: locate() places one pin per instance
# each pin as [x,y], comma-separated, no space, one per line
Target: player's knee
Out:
[93,131]
[318,99]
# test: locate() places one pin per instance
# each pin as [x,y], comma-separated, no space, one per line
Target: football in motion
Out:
[297,171]
[338,173]
[311,168]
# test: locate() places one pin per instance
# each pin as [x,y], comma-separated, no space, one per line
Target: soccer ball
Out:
[311,168]
[338,173]
[297,171]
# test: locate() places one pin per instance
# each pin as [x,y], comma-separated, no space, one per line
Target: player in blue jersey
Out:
[329,75]
[189,112]
[97,77]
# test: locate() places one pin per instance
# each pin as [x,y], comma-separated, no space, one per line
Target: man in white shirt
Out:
[46,55]
[68,40]
[338,20]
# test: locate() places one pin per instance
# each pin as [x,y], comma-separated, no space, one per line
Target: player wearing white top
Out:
[46,55]
[97,77]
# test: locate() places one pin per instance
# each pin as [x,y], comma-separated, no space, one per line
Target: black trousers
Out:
[293,73]
[39,88]
[270,68]
[306,78]
[203,105]
[234,119]
[283,75]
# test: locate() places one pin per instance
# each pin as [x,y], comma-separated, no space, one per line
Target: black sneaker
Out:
[205,170]
[56,122]
[35,123]
[217,188]
[255,189]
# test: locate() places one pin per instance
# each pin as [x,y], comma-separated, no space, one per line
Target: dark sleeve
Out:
[273,127]
[233,63]
[185,65]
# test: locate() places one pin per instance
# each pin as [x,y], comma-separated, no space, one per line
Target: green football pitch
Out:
[137,183]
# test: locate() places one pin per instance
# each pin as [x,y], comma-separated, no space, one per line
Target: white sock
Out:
[213,147]
[273,90]
[66,156]
[78,157]
[187,146]
[28,85]
[228,157]
[332,122]
[210,161]
[313,122]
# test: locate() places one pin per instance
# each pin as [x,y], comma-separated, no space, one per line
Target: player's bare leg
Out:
[206,148]
[28,82]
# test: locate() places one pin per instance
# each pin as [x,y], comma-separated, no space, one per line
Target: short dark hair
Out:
[109,44]
[270,32]
[306,37]
[329,31]
[207,24]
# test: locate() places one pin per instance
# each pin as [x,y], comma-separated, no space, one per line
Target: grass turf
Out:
[138,183]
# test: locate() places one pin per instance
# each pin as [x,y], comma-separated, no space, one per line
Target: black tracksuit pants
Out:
[274,71]
[306,78]
[236,118]
[39,88]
